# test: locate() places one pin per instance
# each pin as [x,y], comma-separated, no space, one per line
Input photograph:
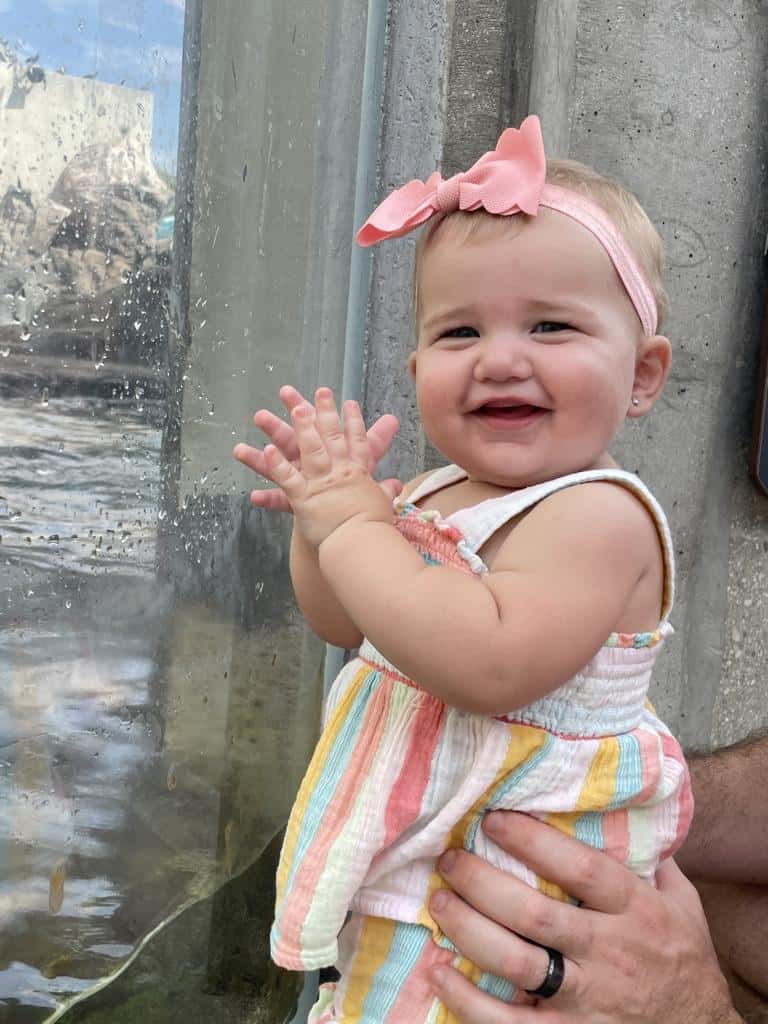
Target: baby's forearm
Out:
[728,841]
[437,625]
[316,599]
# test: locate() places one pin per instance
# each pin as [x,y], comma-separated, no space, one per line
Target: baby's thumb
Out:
[391,487]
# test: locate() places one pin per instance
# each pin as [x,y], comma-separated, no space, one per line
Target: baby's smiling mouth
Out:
[507,410]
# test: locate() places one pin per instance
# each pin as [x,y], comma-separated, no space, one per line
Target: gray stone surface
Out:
[413,130]
[667,97]
[691,146]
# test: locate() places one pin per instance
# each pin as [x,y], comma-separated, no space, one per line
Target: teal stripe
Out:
[330,777]
[495,986]
[589,829]
[496,797]
[408,944]
[628,783]
[629,774]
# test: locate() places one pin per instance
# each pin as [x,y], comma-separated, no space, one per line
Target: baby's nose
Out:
[503,356]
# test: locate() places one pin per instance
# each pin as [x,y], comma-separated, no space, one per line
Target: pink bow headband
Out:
[510,180]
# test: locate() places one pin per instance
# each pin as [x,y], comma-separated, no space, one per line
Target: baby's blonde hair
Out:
[618,202]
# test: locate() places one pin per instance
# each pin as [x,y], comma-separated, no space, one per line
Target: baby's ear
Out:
[654,358]
[412,364]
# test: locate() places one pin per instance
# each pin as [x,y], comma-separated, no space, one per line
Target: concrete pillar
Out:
[668,98]
[267,179]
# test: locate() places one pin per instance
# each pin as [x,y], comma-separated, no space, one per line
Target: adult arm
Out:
[728,841]
[633,954]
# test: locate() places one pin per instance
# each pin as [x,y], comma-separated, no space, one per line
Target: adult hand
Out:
[632,953]
[283,436]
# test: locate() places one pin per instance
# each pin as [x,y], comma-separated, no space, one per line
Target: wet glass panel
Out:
[175,211]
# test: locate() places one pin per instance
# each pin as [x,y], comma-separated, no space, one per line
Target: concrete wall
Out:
[668,98]
[60,117]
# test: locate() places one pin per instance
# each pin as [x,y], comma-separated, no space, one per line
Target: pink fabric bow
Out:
[511,179]
[505,181]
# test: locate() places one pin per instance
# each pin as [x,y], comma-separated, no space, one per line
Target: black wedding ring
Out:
[554,977]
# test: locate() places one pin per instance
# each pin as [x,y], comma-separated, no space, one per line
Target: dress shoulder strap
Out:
[479,522]
[435,481]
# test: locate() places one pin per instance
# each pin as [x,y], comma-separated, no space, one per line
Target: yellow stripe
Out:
[372,950]
[600,785]
[596,794]
[313,773]
[523,743]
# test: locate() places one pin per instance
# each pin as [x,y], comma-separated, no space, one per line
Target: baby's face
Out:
[527,349]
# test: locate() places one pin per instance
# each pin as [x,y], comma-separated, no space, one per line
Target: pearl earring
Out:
[635,401]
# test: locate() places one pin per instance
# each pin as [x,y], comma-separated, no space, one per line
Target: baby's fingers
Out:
[380,438]
[272,498]
[283,473]
[279,433]
[253,458]
[329,424]
[312,449]
[354,429]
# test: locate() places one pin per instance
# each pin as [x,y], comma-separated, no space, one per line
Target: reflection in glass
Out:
[152,726]
[85,198]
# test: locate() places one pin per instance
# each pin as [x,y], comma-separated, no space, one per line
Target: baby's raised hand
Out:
[282,435]
[332,485]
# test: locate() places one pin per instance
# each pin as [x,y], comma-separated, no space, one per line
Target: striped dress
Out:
[398,777]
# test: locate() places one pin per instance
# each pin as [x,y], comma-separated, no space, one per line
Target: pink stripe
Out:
[651,763]
[417,994]
[616,834]
[337,814]
[672,750]
[408,791]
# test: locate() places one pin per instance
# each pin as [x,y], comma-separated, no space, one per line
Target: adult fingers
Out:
[515,905]
[593,877]
[677,889]
[471,1006]
[490,946]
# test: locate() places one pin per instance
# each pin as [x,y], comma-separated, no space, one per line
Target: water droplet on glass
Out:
[67,604]
[26,334]
[5,352]
[44,398]
[269,367]
[80,24]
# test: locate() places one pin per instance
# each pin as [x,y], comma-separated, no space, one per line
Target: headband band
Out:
[506,181]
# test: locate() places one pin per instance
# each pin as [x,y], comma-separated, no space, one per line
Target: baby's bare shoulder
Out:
[600,517]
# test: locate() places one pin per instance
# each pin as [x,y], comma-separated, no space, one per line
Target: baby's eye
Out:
[550,327]
[461,332]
